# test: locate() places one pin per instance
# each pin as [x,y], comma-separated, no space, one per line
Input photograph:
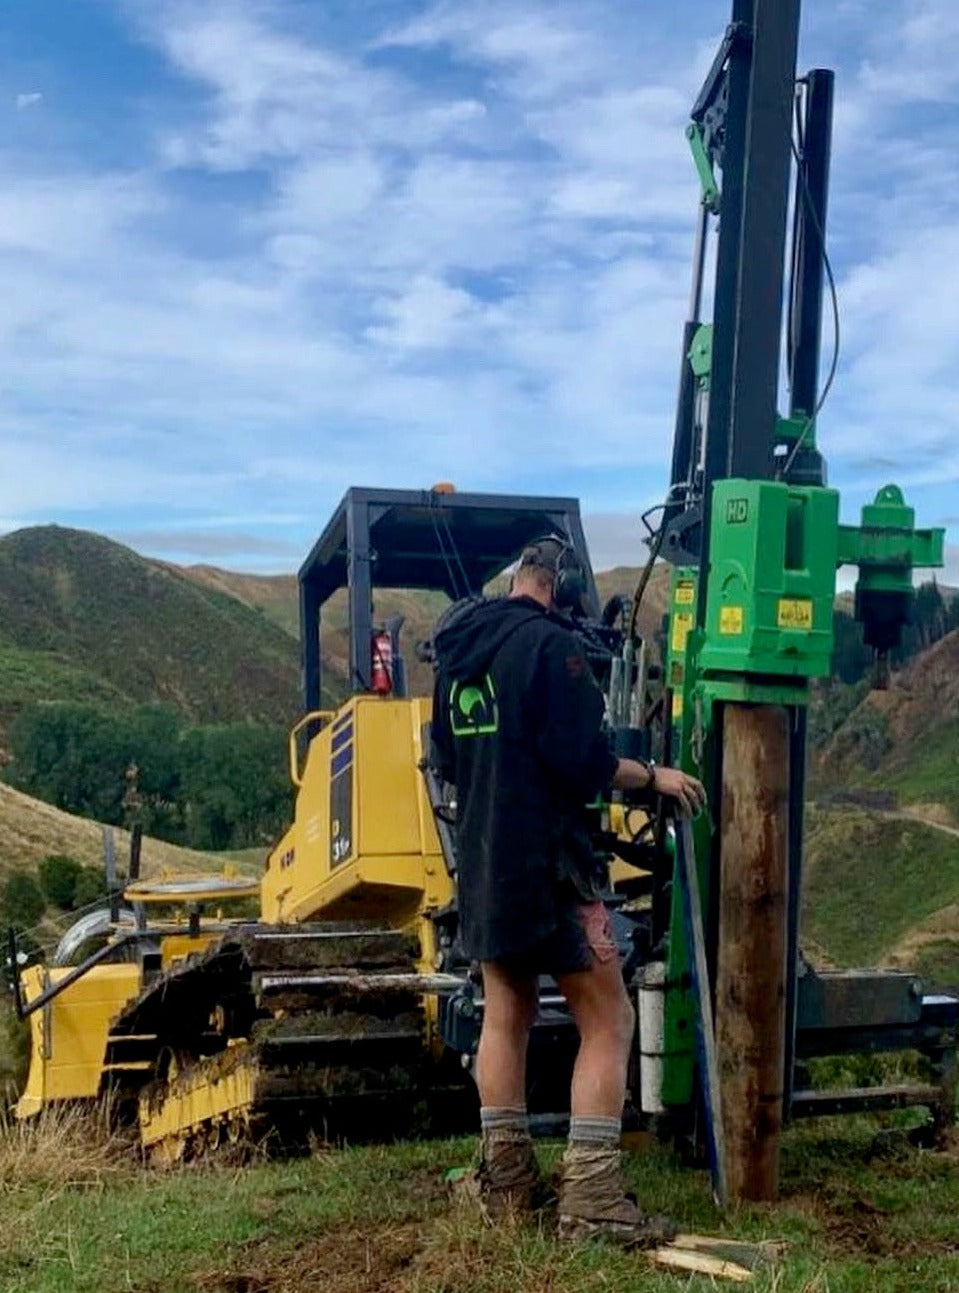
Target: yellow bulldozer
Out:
[346,1008]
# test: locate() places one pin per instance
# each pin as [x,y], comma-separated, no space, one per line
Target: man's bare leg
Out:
[603,1015]
[509,1012]
[592,1198]
[507,1179]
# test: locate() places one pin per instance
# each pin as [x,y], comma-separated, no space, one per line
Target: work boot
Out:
[593,1203]
[507,1181]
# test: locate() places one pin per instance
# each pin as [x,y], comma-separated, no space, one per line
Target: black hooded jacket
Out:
[517,728]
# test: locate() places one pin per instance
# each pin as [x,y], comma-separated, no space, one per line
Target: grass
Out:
[28,676]
[938,963]
[929,774]
[870,879]
[82,1216]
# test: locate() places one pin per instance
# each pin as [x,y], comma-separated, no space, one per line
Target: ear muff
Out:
[569,581]
[569,587]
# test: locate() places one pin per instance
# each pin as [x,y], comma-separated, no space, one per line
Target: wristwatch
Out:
[650,766]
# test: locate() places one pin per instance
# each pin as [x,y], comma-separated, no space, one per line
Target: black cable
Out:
[644,579]
[453,552]
[657,538]
[456,553]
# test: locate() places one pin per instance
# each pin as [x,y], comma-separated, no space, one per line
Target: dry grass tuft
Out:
[62,1148]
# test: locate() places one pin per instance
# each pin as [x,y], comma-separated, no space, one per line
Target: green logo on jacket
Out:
[473,708]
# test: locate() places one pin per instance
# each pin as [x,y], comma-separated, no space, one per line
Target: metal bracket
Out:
[736,33]
[681,543]
[14,952]
[704,167]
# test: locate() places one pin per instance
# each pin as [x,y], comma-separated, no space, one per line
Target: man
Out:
[518,728]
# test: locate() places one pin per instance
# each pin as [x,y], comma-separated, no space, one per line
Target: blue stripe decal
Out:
[343,718]
[341,737]
[340,762]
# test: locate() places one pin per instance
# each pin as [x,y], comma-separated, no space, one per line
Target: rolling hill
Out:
[83,618]
[882,853]
[276,598]
[87,619]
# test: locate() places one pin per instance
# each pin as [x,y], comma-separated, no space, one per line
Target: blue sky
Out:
[255,251]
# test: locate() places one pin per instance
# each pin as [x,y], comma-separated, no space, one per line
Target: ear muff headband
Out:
[569,582]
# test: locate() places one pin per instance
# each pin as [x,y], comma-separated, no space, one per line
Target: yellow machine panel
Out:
[69,1035]
[363,840]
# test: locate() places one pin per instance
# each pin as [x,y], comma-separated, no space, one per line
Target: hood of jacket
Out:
[470,633]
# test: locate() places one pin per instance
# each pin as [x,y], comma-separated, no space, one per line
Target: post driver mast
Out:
[753,534]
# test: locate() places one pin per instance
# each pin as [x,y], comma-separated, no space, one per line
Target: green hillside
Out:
[275,597]
[83,618]
[902,745]
[872,881]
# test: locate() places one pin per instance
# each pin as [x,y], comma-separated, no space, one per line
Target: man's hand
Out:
[688,794]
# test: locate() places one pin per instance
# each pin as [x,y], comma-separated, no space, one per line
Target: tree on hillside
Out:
[930,622]
[91,888]
[70,756]
[864,739]
[235,786]
[851,659]
[77,757]
[58,880]
[830,704]
[210,787]
[151,743]
[21,901]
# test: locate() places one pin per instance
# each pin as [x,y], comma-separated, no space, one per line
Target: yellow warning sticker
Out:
[794,614]
[682,627]
[685,592]
[677,705]
[731,620]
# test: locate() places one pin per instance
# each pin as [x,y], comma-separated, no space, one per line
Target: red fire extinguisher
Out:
[381,675]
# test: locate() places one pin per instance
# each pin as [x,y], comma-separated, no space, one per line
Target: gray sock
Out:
[595,1130]
[511,1120]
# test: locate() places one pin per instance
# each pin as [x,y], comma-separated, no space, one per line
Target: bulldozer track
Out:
[277,1037]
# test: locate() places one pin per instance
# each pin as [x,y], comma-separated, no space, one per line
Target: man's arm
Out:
[672,783]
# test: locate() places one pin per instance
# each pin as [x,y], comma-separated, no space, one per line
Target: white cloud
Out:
[428,315]
[28,100]
[487,264]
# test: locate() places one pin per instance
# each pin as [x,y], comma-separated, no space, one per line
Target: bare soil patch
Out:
[371,1258]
